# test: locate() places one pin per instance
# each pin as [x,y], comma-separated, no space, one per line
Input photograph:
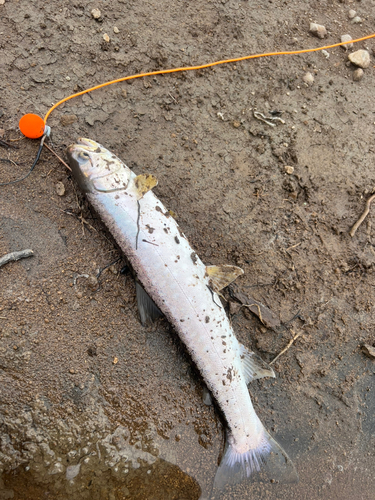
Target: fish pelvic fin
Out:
[253,365]
[267,462]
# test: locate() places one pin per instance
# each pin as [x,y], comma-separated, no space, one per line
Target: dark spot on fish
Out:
[117,197]
[166,230]
[98,150]
[194,257]
[178,257]
[207,319]
[158,209]
[229,374]
[223,336]
[176,240]
[182,320]
[242,356]
[150,229]
[224,351]
[155,244]
[223,382]
[224,343]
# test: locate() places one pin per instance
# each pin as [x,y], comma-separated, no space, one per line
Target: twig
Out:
[363,216]
[259,310]
[7,145]
[262,118]
[287,347]
[57,156]
[15,256]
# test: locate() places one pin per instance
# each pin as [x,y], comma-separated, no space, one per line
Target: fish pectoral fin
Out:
[222,276]
[147,308]
[144,183]
[253,365]
[206,396]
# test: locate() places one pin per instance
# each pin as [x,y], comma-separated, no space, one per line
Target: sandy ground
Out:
[93,405]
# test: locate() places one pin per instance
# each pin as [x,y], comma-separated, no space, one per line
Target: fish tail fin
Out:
[267,462]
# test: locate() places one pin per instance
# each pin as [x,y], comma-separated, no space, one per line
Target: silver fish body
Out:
[181,286]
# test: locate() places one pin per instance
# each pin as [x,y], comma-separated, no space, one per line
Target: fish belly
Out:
[175,278]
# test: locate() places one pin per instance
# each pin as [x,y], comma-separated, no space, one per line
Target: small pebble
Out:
[308,78]
[360,58]
[60,189]
[72,371]
[106,37]
[115,361]
[96,14]
[351,14]
[236,124]
[358,74]
[318,30]
[116,30]
[346,38]
[325,54]
[357,20]
[369,350]
[289,169]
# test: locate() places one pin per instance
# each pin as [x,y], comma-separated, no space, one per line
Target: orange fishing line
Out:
[190,68]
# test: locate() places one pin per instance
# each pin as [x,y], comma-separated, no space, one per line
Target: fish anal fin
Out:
[148,310]
[222,276]
[253,365]
[143,183]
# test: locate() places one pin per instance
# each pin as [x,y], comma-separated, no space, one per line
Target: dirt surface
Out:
[93,405]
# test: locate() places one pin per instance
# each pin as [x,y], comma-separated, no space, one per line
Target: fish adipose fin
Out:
[143,184]
[222,276]
[267,462]
[148,310]
[253,365]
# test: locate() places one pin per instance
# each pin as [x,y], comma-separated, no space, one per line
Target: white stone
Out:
[96,14]
[358,74]
[318,30]
[106,37]
[308,78]
[351,14]
[346,38]
[357,20]
[289,169]
[116,30]
[360,58]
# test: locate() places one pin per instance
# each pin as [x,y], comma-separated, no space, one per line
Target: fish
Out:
[174,282]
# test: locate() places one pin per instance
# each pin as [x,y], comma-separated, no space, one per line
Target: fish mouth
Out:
[75,154]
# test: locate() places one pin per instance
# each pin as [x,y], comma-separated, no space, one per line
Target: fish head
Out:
[95,168]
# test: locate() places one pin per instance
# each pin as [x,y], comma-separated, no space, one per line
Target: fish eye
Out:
[83,154]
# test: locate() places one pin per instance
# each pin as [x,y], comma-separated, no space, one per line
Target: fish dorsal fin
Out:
[147,308]
[253,366]
[144,183]
[222,276]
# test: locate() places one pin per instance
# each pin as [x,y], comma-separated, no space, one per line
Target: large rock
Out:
[360,58]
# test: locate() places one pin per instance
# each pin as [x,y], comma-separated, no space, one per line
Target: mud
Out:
[93,405]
